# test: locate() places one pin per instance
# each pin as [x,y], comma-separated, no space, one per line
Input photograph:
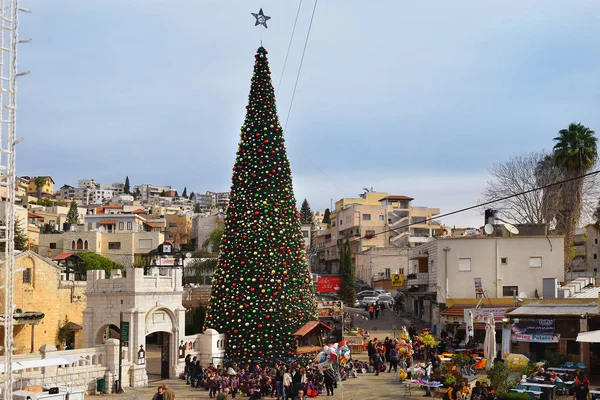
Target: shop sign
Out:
[524,337]
[328,284]
[534,330]
[480,315]
[398,280]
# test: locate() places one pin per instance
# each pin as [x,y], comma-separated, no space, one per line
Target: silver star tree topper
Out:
[261,19]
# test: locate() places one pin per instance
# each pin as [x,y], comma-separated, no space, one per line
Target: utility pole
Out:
[119,388]
[9,40]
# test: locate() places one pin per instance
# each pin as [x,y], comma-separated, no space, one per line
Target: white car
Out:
[383,292]
[368,301]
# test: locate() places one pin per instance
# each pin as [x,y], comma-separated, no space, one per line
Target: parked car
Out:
[381,291]
[365,293]
[388,300]
[368,301]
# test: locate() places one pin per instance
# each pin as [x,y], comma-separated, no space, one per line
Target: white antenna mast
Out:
[9,39]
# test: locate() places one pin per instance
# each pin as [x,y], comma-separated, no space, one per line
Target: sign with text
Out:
[328,284]
[124,331]
[534,330]
[480,315]
[398,280]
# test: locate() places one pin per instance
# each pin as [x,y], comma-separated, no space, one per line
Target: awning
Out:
[72,326]
[108,222]
[558,310]
[310,326]
[589,337]
[64,256]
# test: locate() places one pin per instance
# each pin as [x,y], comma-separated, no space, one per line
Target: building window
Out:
[341,222]
[53,245]
[535,262]
[596,241]
[72,245]
[121,226]
[401,271]
[366,217]
[381,217]
[369,232]
[114,245]
[79,244]
[129,226]
[172,224]
[85,245]
[504,260]
[27,276]
[332,223]
[510,290]
[388,273]
[464,264]
[595,256]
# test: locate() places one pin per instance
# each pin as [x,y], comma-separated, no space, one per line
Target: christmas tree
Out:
[262,291]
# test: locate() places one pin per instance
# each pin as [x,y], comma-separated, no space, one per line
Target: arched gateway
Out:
[151,304]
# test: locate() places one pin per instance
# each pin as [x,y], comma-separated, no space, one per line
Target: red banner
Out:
[328,284]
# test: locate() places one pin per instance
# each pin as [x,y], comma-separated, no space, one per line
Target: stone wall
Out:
[58,300]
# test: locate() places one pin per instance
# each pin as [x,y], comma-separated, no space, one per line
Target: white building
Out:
[148,191]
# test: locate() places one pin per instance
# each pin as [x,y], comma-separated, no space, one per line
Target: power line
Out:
[490,202]
[288,49]
[300,67]
[287,119]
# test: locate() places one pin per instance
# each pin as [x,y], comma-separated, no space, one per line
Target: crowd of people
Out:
[261,380]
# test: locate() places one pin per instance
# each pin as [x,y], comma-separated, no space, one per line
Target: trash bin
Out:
[101,385]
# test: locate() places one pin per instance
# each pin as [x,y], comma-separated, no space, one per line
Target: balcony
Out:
[421,278]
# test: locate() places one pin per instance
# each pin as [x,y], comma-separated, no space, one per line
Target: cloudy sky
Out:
[415,98]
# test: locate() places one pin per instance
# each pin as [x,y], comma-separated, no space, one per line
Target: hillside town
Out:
[447,277]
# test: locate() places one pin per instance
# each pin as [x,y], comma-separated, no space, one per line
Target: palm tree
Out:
[575,151]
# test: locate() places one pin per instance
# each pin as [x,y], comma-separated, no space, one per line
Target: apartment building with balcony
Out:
[586,260]
[374,220]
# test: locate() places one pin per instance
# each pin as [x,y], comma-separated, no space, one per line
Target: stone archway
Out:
[108,331]
[149,303]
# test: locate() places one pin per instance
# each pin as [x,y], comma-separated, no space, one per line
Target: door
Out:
[164,355]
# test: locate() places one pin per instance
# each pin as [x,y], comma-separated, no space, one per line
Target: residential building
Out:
[100,196]
[318,216]
[20,188]
[374,220]
[121,246]
[586,261]
[179,228]
[46,189]
[206,201]
[43,303]
[376,265]
[148,191]
[480,266]
[203,225]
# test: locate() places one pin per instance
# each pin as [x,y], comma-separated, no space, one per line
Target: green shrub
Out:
[498,376]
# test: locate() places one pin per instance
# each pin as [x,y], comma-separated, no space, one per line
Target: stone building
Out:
[44,303]
[120,246]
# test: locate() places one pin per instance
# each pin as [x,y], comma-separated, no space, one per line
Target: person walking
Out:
[168,393]
[287,384]
[371,311]
[328,379]
[394,357]
[159,394]
[383,308]
[279,383]
[377,310]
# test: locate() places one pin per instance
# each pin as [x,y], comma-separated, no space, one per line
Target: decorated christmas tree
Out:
[262,291]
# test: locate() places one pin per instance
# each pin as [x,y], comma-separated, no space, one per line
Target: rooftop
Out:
[396,197]
[556,309]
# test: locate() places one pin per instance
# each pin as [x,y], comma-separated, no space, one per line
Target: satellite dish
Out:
[512,229]
[489,229]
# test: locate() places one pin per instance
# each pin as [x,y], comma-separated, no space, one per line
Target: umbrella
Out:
[489,344]
[516,362]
